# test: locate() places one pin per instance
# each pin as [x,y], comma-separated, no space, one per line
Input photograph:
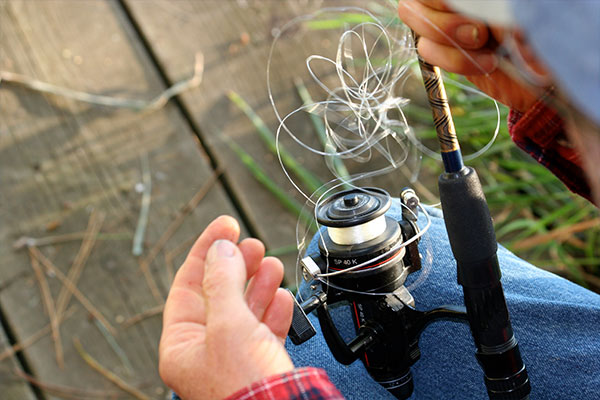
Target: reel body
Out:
[363,261]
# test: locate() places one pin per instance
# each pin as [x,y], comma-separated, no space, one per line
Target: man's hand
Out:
[217,337]
[481,65]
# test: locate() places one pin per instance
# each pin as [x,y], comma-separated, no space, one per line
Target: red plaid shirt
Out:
[301,383]
[540,132]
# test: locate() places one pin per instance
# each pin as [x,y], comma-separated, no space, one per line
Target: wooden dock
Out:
[73,175]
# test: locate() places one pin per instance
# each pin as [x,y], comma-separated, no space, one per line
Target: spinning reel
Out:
[364,259]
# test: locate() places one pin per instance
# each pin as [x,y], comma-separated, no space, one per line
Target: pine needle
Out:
[120,383]
[25,343]
[143,315]
[50,308]
[72,289]
[94,225]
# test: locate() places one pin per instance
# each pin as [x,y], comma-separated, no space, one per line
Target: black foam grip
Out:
[474,246]
[469,227]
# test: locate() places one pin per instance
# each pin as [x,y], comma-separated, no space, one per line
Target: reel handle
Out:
[302,329]
[345,353]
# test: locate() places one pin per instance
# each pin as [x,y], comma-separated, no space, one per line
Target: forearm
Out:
[540,132]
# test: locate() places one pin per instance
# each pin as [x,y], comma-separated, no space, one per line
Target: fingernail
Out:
[487,62]
[220,249]
[467,35]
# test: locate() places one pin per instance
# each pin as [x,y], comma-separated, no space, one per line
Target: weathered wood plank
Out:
[11,387]
[60,159]
[235,38]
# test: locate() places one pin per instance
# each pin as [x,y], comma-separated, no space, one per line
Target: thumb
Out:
[224,279]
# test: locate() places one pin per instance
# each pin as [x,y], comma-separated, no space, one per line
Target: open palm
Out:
[218,335]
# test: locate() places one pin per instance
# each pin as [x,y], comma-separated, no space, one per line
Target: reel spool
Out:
[356,231]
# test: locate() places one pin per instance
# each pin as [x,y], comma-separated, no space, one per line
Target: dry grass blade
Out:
[72,289]
[23,344]
[121,384]
[560,234]
[94,224]
[143,315]
[50,308]
[67,392]
[171,229]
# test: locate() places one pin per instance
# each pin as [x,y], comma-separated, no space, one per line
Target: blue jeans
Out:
[556,322]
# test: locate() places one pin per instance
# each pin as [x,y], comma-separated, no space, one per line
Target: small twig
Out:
[25,241]
[23,344]
[143,315]
[140,230]
[110,339]
[121,384]
[136,104]
[171,254]
[94,224]
[171,229]
[67,392]
[50,308]
[145,268]
[72,289]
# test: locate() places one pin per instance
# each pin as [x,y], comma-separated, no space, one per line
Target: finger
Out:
[263,286]
[185,302]
[436,5]
[454,60]
[253,251]
[191,273]
[506,90]
[446,28]
[224,280]
[278,316]
[224,227]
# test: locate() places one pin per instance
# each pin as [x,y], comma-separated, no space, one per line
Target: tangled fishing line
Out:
[361,108]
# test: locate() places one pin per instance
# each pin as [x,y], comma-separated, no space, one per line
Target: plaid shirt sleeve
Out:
[540,132]
[299,384]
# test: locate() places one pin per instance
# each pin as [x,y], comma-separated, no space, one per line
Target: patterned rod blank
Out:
[442,118]
[432,78]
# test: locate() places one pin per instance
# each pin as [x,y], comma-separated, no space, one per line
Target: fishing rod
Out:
[473,242]
[367,250]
